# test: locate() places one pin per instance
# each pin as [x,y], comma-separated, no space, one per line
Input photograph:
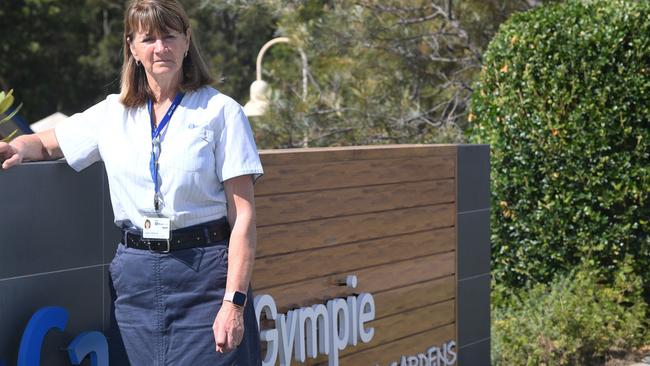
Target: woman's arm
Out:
[229,324]
[39,146]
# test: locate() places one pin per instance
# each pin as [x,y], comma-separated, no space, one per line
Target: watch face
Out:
[239,298]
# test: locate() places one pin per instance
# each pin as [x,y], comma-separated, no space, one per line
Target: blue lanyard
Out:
[155,144]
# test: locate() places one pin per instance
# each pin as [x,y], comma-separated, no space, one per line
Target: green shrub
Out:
[564,101]
[576,320]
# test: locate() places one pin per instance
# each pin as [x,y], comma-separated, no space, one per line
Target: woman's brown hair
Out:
[158,17]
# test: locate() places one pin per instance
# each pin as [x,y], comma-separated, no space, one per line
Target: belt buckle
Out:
[169,246]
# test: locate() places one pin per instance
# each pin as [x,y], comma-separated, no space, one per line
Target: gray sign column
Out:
[473,272]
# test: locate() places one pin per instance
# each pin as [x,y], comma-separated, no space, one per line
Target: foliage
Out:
[6,100]
[378,71]
[575,320]
[66,55]
[230,36]
[42,43]
[564,101]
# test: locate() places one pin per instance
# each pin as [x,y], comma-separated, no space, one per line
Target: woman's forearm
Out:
[243,238]
[241,254]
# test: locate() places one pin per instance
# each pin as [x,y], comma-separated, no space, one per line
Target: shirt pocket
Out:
[192,150]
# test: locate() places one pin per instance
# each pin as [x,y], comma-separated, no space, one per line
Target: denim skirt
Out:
[165,305]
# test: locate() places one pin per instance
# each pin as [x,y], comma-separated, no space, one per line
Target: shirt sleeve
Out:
[78,137]
[236,152]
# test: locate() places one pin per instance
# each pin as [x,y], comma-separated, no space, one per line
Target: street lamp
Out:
[259,90]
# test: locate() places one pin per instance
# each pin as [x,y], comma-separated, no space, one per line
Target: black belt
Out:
[201,235]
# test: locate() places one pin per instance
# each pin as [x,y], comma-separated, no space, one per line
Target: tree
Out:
[379,71]
[67,55]
[42,45]
[231,34]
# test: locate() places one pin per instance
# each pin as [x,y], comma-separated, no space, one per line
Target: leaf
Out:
[6,101]
[10,137]
[13,113]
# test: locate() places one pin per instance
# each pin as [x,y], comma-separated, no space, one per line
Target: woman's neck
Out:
[163,89]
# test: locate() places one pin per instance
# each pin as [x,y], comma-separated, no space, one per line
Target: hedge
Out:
[564,101]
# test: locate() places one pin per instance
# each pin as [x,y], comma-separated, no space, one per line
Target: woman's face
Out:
[160,54]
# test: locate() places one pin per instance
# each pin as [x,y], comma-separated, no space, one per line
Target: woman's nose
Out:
[159,45]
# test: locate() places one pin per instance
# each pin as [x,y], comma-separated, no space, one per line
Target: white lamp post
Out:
[259,91]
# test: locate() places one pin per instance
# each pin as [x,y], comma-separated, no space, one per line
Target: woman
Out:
[181,156]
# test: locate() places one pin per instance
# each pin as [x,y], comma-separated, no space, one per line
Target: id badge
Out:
[158,228]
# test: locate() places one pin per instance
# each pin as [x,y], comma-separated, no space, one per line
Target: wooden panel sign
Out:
[356,257]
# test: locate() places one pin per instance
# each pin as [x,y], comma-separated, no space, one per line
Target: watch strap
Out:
[236,297]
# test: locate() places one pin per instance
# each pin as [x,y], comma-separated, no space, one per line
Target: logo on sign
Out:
[322,329]
[91,344]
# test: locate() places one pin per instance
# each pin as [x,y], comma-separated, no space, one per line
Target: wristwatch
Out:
[235,297]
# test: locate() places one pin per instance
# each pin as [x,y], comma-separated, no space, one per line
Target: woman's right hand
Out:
[10,155]
[33,147]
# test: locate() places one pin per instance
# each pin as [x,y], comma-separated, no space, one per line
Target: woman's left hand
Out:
[228,327]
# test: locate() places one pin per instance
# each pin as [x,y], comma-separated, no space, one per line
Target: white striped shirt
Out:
[207,141]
